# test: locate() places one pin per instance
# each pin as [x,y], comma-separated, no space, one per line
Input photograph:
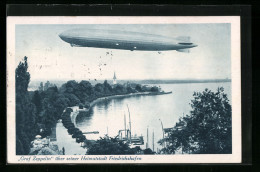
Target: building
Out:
[114,79]
[40,142]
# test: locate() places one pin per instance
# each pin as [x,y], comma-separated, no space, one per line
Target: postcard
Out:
[123,90]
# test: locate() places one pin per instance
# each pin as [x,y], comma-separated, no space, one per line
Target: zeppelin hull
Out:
[123,40]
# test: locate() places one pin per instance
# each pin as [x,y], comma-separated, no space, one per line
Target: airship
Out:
[125,40]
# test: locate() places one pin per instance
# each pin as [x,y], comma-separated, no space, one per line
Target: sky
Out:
[50,58]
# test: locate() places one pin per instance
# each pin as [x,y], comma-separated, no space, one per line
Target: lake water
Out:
[108,117]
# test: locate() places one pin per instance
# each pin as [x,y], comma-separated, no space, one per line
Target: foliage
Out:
[73,100]
[148,151]
[47,85]
[99,88]
[119,89]
[110,146]
[41,87]
[130,90]
[36,100]
[81,106]
[107,88]
[138,88]
[25,110]
[154,89]
[207,130]
[72,130]
[22,77]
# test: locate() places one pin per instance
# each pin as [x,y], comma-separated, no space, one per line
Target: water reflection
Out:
[84,116]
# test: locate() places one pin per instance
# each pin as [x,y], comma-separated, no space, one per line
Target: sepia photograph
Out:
[123,90]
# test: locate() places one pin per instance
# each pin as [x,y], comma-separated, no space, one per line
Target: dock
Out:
[91,132]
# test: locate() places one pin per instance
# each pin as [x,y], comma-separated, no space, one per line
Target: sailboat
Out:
[126,134]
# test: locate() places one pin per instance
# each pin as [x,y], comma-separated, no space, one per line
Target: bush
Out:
[154,89]
[80,106]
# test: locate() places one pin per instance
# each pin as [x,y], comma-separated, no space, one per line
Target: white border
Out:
[235,157]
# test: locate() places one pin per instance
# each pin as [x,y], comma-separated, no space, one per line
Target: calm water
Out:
[108,117]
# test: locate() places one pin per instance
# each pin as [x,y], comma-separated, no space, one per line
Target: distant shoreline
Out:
[182,81]
[140,80]
[35,83]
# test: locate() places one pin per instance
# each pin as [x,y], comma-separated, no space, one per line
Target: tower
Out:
[114,79]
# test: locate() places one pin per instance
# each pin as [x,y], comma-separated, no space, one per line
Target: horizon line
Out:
[183,79]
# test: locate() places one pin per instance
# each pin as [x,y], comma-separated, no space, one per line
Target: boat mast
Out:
[147,145]
[129,124]
[125,124]
[153,140]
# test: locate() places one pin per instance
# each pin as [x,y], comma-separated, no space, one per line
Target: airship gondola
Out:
[125,40]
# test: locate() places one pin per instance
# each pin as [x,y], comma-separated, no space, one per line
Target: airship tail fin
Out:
[183,38]
[186,50]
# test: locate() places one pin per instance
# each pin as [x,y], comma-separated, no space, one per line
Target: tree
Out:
[22,78]
[207,130]
[47,85]
[87,105]
[37,101]
[120,89]
[73,100]
[84,91]
[130,89]
[69,87]
[107,88]
[99,88]
[138,88]
[40,87]
[25,110]
[110,146]
[60,103]
[53,105]
[154,89]
[81,106]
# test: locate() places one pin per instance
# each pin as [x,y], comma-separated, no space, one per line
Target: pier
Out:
[91,132]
